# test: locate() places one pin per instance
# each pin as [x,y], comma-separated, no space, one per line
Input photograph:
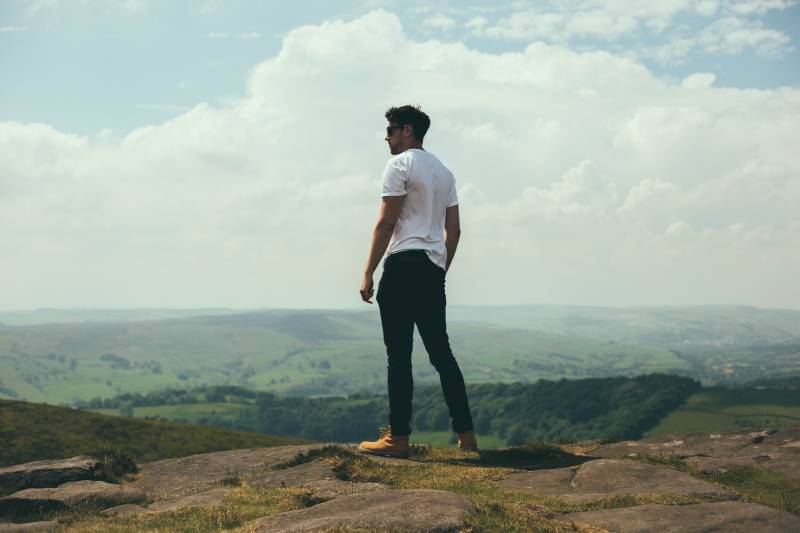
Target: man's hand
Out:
[366,289]
[381,235]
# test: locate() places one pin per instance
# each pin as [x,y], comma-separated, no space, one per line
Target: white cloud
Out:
[698,80]
[734,26]
[731,35]
[439,22]
[583,178]
[759,7]
[209,7]
[476,23]
[12,29]
[707,8]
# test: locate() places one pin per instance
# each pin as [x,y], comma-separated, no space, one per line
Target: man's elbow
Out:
[452,233]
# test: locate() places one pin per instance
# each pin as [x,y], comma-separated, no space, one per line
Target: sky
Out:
[206,154]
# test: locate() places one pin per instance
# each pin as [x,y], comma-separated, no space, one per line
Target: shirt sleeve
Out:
[395,177]
[453,200]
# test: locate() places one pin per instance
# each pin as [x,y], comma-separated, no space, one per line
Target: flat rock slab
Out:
[722,517]
[50,473]
[609,477]
[776,450]
[406,510]
[208,498]
[8,527]
[172,478]
[316,475]
[73,495]
[124,511]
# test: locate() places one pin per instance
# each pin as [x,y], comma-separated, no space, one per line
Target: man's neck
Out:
[414,147]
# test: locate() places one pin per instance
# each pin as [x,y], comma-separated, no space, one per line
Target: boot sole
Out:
[398,455]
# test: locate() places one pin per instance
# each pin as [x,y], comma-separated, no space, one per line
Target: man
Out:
[419,224]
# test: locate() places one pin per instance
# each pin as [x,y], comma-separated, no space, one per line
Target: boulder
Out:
[721,517]
[93,495]
[395,510]
[601,478]
[50,473]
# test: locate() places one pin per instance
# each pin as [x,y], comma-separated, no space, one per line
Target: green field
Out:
[448,438]
[190,412]
[306,353]
[718,409]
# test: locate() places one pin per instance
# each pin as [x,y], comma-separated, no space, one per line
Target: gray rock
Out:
[73,495]
[8,527]
[406,510]
[775,450]
[316,475]
[608,477]
[722,517]
[50,473]
[208,498]
[173,478]
[124,511]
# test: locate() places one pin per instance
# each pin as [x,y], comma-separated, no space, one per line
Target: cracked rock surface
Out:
[721,517]
[398,510]
[601,478]
[776,450]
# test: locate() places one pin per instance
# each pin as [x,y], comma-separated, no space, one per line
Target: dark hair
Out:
[412,115]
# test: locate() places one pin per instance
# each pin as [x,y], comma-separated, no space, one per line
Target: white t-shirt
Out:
[430,189]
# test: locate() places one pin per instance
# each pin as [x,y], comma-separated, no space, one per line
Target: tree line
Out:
[569,410]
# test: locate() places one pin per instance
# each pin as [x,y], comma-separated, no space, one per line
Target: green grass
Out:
[31,432]
[752,484]
[719,409]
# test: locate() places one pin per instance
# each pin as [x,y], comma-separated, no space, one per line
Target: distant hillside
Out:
[329,352]
[30,432]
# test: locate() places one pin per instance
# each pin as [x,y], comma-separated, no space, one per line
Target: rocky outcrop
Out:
[722,517]
[48,473]
[605,472]
[602,478]
[83,495]
[174,478]
[396,510]
[317,476]
[776,450]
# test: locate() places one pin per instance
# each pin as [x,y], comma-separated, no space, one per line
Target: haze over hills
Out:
[321,352]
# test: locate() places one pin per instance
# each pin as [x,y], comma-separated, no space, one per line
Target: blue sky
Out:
[206,154]
[84,66]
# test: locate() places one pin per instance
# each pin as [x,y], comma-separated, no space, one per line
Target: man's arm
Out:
[381,235]
[452,232]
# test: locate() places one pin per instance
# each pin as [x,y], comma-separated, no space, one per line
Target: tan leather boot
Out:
[467,441]
[387,445]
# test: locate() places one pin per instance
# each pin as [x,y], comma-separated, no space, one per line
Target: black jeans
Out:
[411,291]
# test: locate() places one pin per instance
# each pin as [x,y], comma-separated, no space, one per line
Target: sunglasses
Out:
[390,129]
